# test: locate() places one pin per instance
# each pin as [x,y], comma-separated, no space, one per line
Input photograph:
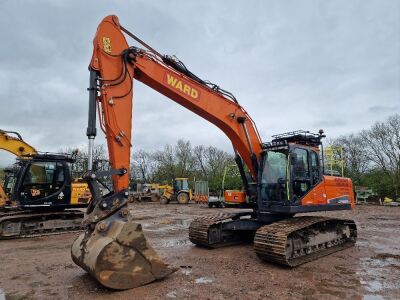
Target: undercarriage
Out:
[290,242]
[24,224]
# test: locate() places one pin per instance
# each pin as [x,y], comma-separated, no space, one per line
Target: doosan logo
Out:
[182,87]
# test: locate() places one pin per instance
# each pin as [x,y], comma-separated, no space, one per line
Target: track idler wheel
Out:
[117,254]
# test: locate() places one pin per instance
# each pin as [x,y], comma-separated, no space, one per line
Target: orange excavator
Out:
[285,176]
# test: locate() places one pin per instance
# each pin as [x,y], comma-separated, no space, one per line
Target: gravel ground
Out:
[41,268]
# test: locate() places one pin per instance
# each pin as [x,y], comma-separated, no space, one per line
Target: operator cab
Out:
[290,168]
[181,184]
[43,181]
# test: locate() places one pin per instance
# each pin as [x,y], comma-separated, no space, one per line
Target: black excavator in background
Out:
[39,192]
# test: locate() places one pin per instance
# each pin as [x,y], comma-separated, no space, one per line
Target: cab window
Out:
[301,167]
[273,181]
[315,167]
[9,183]
[43,179]
[301,174]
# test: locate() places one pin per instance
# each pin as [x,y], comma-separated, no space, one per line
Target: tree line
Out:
[173,161]
[184,160]
[372,156]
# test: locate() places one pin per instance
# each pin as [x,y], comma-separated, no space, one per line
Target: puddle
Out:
[186,271]
[184,223]
[373,273]
[174,243]
[373,297]
[167,225]
[171,295]
[157,228]
[374,286]
[202,280]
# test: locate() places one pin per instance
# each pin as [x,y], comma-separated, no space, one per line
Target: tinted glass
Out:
[300,169]
[273,180]
[43,179]
[314,167]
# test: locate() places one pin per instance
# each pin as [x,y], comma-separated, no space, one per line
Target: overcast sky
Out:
[292,65]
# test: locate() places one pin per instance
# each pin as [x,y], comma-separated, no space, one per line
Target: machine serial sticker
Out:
[181,86]
[107,44]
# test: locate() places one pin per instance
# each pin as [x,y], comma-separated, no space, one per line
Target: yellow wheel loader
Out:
[179,191]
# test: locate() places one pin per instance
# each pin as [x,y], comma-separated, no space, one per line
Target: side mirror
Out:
[281,180]
[293,158]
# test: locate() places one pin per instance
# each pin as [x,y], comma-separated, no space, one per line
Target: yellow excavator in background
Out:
[37,191]
[17,146]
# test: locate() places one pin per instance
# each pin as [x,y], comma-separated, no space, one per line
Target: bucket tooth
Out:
[117,254]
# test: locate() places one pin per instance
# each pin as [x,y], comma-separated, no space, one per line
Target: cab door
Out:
[318,191]
[45,184]
[301,175]
[307,177]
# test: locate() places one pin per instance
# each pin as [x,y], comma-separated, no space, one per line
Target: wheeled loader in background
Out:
[179,191]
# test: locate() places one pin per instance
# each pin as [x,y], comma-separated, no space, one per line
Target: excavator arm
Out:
[116,65]
[15,144]
[113,68]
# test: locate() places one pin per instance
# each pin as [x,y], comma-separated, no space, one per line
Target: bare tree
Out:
[216,160]
[382,146]
[355,158]
[80,166]
[199,153]
[184,158]
[143,166]
[165,160]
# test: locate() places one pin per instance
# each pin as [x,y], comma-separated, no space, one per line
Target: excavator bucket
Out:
[117,254]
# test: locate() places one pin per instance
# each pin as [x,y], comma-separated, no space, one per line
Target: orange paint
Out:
[331,190]
[234,197]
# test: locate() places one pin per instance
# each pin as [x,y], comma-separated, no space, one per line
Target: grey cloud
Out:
[384,109]
[329,122]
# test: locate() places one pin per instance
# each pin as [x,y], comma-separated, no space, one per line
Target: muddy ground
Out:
[41,268]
